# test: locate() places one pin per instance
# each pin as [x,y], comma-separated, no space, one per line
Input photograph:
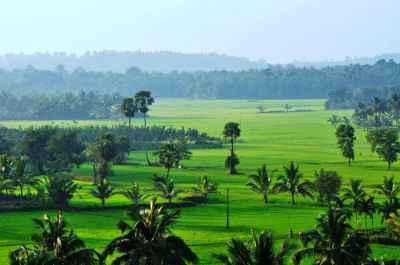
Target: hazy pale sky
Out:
[275,30]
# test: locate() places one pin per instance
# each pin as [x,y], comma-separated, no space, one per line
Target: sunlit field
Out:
[273,138]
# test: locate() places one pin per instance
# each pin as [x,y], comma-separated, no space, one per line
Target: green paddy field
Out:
[271,138]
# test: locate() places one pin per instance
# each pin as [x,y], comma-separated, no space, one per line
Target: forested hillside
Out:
[271,83]
[116,61]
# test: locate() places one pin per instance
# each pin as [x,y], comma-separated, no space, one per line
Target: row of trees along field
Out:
[273,82]
[379,117]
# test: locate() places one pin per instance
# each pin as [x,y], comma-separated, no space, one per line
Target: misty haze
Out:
[199,132]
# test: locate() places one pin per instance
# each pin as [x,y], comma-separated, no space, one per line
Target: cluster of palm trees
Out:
[292,182]
[14,175]
[379,112]
[148,240]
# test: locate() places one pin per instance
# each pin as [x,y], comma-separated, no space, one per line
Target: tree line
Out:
[59,106]
[346,98]
[274,82]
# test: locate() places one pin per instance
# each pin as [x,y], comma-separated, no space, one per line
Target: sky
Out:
[274,30]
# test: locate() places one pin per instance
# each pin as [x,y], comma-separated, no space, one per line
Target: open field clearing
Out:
[274,138]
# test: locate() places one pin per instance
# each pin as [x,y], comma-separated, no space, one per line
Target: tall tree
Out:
[103,153]
[345,139]
[356,194]
[327,184]
[389,188]
[292,182]
[232,132]
[385,142]
[20,177]
[129,109]
[170,155]
[260,250]
[54,244]
[143,100]
[149,240]
[34,146]
[261,182]
[333,241]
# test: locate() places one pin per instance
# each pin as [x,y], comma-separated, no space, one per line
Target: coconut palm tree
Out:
[394,224]
[388,207]
[334,120]
[333,241]
[166,186]
[20,178]
[259,250]
[129,109]
[149,240]
[367,208]
[355,194]
[292,182]
[143,100]
[260,182]
[103,191]
[205,187]
[134,194]
[55,244]
[389,188]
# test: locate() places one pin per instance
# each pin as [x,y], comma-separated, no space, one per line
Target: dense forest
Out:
[63,106]
[33,94]
[351,98]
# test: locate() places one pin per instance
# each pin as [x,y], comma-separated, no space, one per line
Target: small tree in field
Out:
[260,182]
[345,139]
[166,186]
[291,182]
[232,132]
[205,187]
[103,191]
[134,194]
[327,184]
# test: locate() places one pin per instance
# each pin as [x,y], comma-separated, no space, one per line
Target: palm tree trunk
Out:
[21,189]
[265,198]
[231,166]
[168,169]
[293,200]
[389,165]
[129,122]
[103,202]
[94,173]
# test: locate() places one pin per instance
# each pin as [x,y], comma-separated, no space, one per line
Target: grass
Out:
[273,138]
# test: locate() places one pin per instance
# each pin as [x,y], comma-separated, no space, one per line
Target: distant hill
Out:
[349,60]
[115,61]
